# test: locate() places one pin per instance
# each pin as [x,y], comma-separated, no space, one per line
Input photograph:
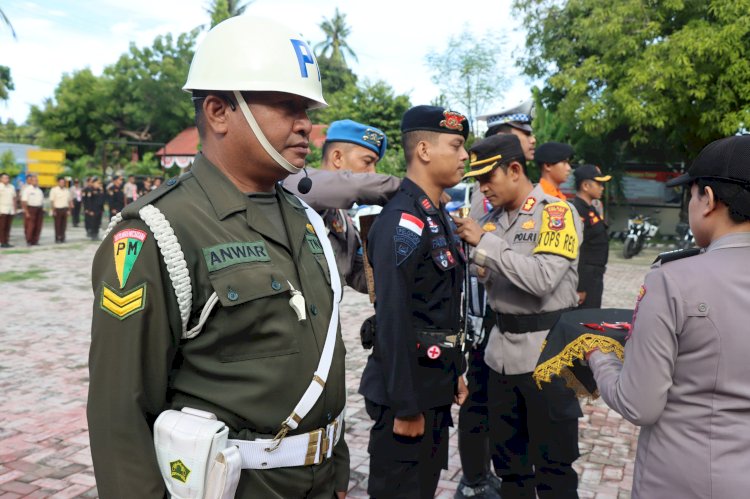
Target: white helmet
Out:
[247,53]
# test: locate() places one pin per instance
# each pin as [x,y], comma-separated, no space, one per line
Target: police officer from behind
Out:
[526,255]
[684,378]
[595,246]
[235,323]
[414,372]
[347,176]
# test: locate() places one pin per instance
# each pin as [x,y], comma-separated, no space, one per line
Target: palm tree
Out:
[336,32]
[220,10]
[6,21]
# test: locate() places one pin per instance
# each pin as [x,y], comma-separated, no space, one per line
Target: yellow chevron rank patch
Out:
[124,305]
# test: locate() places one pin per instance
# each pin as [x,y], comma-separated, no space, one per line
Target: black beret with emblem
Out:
[486,154]
[435,119]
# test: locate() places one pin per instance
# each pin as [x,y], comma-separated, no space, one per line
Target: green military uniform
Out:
[253,359]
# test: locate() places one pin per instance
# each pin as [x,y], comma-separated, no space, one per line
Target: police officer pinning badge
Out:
[558,235]
[127,246]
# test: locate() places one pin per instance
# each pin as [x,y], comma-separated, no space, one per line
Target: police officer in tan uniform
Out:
[7,209]
[526,254]
[61,202]
[32,202]
[684,378]
[214,294]
[347,176]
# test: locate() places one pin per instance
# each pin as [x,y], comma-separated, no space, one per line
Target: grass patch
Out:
[13,276]
[15,252]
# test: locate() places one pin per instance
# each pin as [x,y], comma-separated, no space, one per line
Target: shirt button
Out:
[314,309]
[328,416]
[275,285]
[702,307]
[232,295]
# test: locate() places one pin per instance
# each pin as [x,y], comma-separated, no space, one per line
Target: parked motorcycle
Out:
[685,237]
[641,229]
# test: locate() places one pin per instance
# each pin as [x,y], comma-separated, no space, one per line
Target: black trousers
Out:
[591,280]
[473,422]
[93,221]
[535,435]
[406,468]
[76,215]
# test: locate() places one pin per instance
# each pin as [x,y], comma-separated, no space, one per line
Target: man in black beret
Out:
[414,373]
[553,159]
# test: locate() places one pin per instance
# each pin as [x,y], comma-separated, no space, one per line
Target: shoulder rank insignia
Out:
[489,227]
[124,305]
[557,234]
[127,244]
[528,204]
[427,206]
[671,256]
[528,224]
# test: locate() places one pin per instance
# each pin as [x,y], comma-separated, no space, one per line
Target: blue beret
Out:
[435,119]
[359,134]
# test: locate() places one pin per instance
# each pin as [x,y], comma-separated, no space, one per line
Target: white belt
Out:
[295,450]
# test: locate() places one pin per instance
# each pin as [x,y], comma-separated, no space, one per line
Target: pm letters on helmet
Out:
[304,57]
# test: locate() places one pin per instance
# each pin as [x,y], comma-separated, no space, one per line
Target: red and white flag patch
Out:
[411,223]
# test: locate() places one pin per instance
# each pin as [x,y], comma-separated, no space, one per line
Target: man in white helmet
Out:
[216,299]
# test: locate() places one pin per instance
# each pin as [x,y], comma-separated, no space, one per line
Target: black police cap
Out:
[486,154]
[726,159]
[435,119]
[553,152]
[590,172]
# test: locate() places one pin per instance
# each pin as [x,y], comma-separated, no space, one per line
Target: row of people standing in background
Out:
[65,200]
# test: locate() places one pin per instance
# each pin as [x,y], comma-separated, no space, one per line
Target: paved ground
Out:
[45,302]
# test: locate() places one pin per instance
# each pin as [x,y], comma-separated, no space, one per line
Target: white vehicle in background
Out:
[460,195]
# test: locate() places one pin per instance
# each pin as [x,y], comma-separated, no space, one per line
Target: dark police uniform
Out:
[594,254]
[93,207]
[115,199]
[419,269]
[251,362]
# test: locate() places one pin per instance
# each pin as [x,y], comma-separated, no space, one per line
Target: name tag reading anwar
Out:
[225,255]
[557,235]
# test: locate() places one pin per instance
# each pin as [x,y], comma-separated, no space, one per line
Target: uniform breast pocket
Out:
[255,319]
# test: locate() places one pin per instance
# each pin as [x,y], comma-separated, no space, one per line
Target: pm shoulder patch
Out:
[127,246]
[122,305]
[558,235]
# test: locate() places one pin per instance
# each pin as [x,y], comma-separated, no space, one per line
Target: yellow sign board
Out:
[45,155]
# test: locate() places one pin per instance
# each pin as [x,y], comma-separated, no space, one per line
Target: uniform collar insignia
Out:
[528,204]
[427,206]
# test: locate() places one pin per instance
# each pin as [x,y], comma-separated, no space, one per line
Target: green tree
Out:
[8,164]
[6,83]
[219,10]
[467,72]
[18,134]
[335,75]
[336,32]
[640,79]
[137,98]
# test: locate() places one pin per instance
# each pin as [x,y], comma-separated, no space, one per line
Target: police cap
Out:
[519,117]
[486,154]
[726,159]
[435,119]
[590,172]
[352,132]
[553,152]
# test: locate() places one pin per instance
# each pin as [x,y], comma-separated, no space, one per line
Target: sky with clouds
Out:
[390,37]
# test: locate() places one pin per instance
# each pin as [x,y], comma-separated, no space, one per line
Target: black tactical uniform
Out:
[594,254]
[93,207]
[419,269]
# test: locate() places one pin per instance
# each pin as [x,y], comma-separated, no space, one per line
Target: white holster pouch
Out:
[194,460]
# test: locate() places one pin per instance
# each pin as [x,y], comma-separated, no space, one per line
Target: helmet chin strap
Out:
[261,137]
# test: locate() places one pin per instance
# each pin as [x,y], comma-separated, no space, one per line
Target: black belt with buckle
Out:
[519,324]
